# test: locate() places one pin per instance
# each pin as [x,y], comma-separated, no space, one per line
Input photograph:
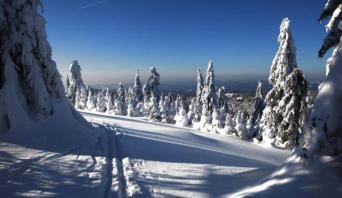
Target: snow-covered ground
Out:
[129,157]
[167,161]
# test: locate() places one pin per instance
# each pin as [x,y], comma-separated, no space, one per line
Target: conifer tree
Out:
[199,87]
[30,84]
[241,126]
[229,124]
[324,133]
[121,93]
[216,120]
[130,109]
[208,93]
[154,82]
[258,107]
[283,118]
[90,101]
[221,97]
[137,94]
[181,116]
[109,102]
[333,9]
[74,81]
[154,113]
[191,112]
[101,103]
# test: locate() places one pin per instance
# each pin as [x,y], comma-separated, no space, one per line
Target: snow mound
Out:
[300,177]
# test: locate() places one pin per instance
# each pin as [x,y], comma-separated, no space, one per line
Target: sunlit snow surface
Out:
[128,157]
[170,161]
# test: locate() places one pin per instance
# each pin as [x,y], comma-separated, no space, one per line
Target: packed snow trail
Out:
[161,160]
[51,162]
[119,166]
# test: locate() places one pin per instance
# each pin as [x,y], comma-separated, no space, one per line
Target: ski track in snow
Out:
[130,157]
[118,175]
[140,176]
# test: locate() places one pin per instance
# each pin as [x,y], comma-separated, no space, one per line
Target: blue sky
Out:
[112,38]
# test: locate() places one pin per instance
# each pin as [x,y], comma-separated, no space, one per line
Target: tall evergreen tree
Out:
[153,84]
[324,134]
[90,101]
[101,102]
[208,92]
[74,81]
[154,113]
[221,97]
[191,112]
[258,107]
[137,94]
[332,8]
[216,120]
[229,125]
[121,93]
[82,98]
[181,116]
[30,84]
[197,106]
[199,87]
[109,102]
[283,117]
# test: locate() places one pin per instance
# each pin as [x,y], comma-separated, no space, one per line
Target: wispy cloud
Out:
[93,4]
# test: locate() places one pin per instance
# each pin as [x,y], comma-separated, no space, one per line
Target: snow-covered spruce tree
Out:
[177,103]
[146,106]
[332,9]
[197,113]
[81,98]
[146,92]
[221,97]
[109,102]
[324,133]
[101,102]
[163,110]
[205,123]
[169,108]
[197,106]
[153,108]
[107,94]
[283,117]
[258,107]
[172,109]
[130,109]
[74,81]
[223,114]
[229,126]
[90,101]
[199,86]
[154,82]
[181,116]
[119,107]
[240,126]
[216,120]
[137,94]
[191,112]
[121,93]
[77,98]
[30,85]
[208,92]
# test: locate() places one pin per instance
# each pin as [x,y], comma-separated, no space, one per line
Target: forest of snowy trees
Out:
[287,117]
[276,119]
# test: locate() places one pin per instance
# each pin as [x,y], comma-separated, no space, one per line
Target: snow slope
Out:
[298,178]
[57,157]
[161,160]
[127,157]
